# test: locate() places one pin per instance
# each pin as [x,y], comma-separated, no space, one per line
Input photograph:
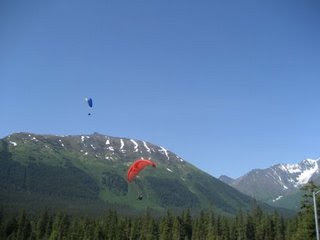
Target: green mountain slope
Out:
[88,173]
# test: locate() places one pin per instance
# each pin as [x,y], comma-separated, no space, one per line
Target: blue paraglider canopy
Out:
[89,101]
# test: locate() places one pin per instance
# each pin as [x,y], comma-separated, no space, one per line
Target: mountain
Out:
[280,184]
[87,173]
[226,179]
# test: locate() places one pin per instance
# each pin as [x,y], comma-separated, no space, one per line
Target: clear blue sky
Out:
[227,85]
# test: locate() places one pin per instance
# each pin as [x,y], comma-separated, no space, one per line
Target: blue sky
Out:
[227,85]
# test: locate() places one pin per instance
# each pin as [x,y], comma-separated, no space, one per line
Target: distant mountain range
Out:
[278,185]
[87,173]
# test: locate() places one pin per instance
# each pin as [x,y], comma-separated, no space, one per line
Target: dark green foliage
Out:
[215,196]
[172,193]
[42,223]
[80,185]
[4,151]
[47,180]
[10,228]
[186,226]
[250,225]
[115,183]
[165,227]
[84,174]
[305,223]
[24,227]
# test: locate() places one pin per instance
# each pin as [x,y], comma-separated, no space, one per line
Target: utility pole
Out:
[316,213]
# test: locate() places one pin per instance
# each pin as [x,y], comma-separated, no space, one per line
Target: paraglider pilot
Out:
[135,168]
[140,197]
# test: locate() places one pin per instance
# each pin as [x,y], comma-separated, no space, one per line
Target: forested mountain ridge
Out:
[88,173]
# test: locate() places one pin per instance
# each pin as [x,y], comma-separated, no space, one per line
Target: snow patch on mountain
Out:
[277,199]
[135,145]
[60,141]
[291,168]
[13,143]
[181,160]
[146,146]
[280,179]
[310,161]
[165,151]
[122,144]
[307,174]
[297,174]
[111,148]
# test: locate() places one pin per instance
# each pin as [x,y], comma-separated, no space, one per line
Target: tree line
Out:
[207,225]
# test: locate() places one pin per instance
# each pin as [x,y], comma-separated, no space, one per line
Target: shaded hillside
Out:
[88,173]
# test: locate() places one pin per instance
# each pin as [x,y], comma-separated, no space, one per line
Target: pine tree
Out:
[11,228]
[49,227]
[127,228]
[146,228]
[225,229]
[204,221]
[149,230]
[232,227]
[97,232]
[121,233]
[186,225]
[60,226]
[196,229]
[268,228]
[165,227]
[176,228]
[24,227]
[291,228]
[249,228]
[111,224]
[218,227]
[240,226]
[74,230]
[42,225]
[278,227]
[135,229]
[1,221]
[211,234]
[306,224]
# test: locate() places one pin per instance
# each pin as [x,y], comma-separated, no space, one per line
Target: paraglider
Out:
[135,168]
[90,103]
[140,197]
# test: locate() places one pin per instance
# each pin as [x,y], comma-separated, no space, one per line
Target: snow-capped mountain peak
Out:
[278,180]
[300,174]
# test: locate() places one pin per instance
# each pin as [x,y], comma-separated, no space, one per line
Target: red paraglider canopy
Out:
[138,166]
